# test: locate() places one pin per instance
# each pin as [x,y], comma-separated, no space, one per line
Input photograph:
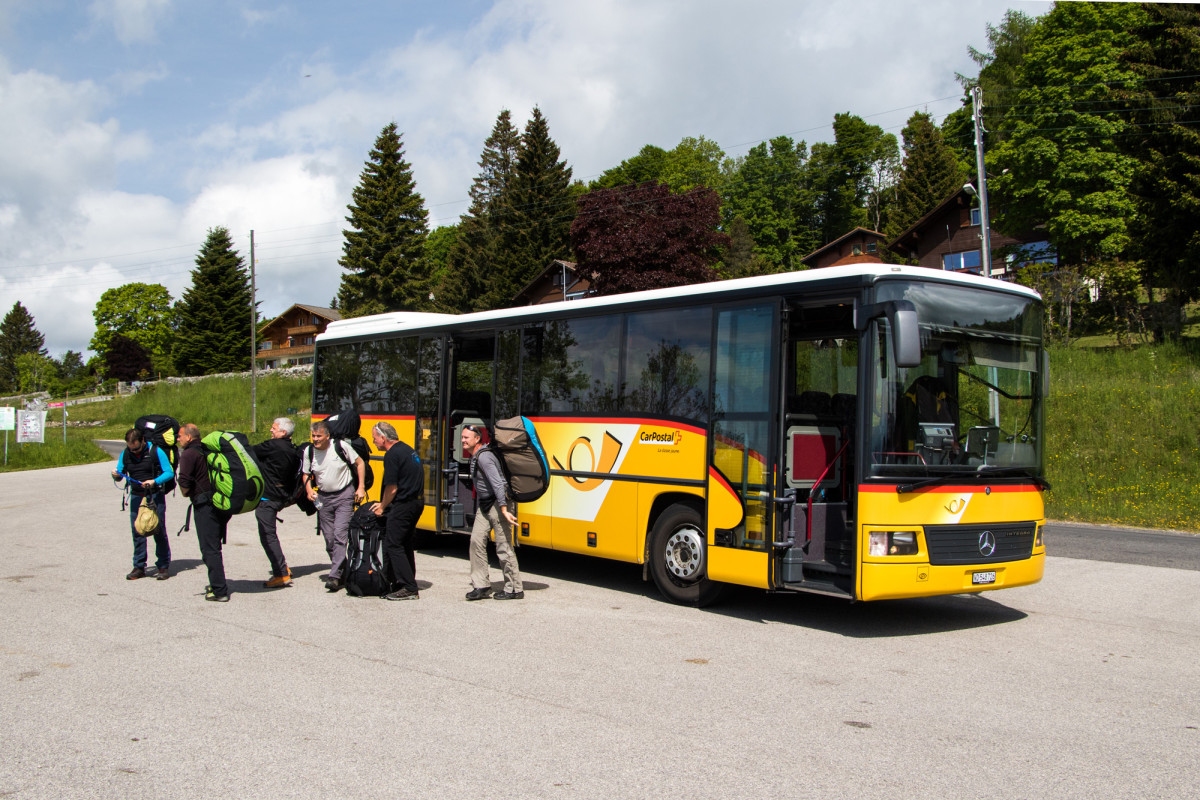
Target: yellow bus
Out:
[866,432]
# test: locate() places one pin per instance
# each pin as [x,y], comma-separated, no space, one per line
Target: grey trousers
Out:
[486,521]
[334,518]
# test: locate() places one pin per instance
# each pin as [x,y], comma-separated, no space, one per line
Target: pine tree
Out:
[384,249]
[535,214]
[214,313]
[931,172]
[17,337]
[471,267]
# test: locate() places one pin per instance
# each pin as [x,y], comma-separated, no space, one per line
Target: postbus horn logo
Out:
[609,450]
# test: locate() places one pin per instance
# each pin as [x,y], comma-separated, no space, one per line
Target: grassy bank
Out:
[1122,440]
[213,404]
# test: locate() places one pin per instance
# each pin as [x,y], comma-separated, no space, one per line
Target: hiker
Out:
[491,514]
[211,523]
[328,482]
[280,462]
[146,468]
[401,501]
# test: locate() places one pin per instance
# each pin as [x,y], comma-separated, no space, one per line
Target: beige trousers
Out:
[485,522]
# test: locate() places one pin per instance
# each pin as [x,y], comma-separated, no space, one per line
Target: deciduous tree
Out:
[646,237]
[142,312]
[769,189]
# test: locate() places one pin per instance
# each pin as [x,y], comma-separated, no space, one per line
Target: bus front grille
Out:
[979,544]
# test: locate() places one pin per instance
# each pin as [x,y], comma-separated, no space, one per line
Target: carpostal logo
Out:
[661,437]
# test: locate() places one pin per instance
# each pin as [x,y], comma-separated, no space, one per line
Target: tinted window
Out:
[666,362]
[337,378]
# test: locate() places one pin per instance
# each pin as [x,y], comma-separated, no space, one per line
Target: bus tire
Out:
[679,557]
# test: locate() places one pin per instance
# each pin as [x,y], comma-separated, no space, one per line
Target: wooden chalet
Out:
[859,246]
[287,340]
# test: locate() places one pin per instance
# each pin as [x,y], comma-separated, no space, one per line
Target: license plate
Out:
[980,578]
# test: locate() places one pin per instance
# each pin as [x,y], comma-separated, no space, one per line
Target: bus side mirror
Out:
[907,337]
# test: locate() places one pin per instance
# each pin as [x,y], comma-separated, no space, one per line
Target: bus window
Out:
[508,374]
[429,384]
[389,376]
[338,371]
[571,365]
[666,363]
[741,413]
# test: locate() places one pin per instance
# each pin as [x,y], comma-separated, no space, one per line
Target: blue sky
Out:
[128,128]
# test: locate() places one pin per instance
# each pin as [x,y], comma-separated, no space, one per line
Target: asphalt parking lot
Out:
[1083,686]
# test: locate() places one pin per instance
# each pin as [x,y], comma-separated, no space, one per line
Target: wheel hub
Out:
[685,553]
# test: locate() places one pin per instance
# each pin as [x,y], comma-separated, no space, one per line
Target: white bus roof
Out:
[400,321]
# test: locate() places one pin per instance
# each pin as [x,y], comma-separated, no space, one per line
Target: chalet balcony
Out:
[301,330]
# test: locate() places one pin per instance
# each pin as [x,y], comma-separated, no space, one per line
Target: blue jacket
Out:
[138,469]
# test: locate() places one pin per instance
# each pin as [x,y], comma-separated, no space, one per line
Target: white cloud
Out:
[132,20]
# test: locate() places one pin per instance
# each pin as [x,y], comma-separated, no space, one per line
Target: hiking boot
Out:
[163,573]
[138,572]
[509,596]
[213,597]
[478,594]
[402,594]
[278,580]
[333,584]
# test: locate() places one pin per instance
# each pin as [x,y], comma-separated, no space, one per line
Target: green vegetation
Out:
[213,404]
[1122,436]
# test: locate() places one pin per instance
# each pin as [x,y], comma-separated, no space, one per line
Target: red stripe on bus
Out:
[949,489]
[619,421]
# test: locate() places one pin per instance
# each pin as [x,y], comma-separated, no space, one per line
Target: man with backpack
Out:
[146,468]
[211,523]
[402,501]
[491,514]
[280,464]
[335,479]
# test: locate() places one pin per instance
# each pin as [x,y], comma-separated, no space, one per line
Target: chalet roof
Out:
[556,264]
[328,313]
[859,230]
[956,198]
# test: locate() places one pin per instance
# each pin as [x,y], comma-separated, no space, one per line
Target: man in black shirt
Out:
[280,463]
[211,523]
[401,502]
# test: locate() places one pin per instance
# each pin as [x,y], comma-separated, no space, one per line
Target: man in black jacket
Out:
[280,463]
[211,524]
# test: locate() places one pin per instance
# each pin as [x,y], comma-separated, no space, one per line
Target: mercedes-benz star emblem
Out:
[987,543]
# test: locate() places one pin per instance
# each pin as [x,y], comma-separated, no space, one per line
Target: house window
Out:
[975,217]
[308,340]
[969,260]
[856,250]
[870,247]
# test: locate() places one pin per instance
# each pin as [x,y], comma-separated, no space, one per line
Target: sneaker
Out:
[278,580]
[509,596]
[163,573]
[478,594]
[215,598]
[138,572]
[402,594]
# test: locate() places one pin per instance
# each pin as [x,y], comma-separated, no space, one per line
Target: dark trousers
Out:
[211,525]
[267,536]
[162,545]
[399,560]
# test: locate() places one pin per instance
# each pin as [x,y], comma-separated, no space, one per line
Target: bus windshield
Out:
[973,407]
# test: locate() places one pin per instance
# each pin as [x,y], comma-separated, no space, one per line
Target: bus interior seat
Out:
[842,406]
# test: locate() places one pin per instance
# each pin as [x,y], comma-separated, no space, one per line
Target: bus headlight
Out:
[892,543]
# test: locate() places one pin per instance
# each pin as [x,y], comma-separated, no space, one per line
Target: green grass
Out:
[213,404]
[1123,444]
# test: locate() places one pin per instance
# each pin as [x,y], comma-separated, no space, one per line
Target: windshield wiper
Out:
[905,488]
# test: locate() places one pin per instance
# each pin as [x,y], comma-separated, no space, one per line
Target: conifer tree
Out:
[931,172]
[471,266]
[214,313]
[535,214]
[384,249]
[18,336]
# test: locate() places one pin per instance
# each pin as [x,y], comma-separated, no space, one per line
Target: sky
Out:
[130,128]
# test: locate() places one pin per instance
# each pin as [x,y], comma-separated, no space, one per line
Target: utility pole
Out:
[985,229]
[253,342]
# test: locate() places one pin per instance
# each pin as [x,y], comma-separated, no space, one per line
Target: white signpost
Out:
[31,426]
[8,422]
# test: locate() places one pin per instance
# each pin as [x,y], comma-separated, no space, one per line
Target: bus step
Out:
[819,586]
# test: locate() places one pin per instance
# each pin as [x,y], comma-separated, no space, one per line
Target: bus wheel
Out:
[678,558]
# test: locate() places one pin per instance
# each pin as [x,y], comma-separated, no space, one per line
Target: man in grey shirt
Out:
[491,514]
[326,470]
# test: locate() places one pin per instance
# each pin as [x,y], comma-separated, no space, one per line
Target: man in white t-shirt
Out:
[326,468]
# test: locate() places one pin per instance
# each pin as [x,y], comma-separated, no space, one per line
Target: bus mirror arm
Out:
[902,317]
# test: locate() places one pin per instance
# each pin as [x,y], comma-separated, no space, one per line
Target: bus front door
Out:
[470,379]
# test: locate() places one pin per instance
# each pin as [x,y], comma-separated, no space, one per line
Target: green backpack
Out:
[234,471]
